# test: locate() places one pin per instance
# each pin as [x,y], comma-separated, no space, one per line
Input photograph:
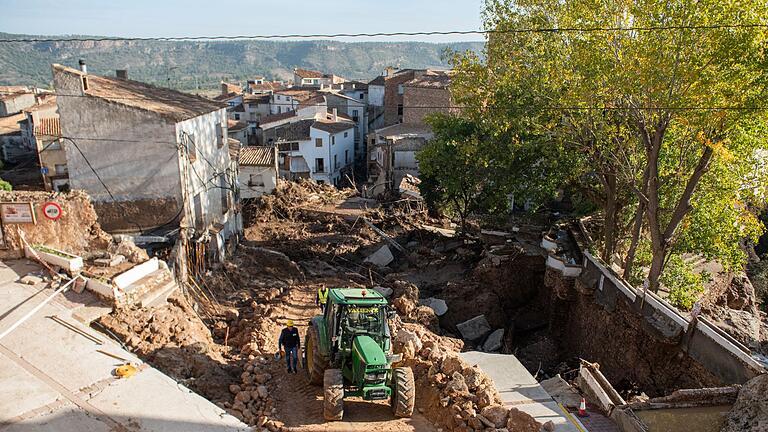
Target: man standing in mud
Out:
[290,343]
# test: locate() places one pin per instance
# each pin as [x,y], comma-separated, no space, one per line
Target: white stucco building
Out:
[152,159]
[321,147]
[258,171]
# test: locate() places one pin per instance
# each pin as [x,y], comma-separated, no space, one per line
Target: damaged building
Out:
[153,160]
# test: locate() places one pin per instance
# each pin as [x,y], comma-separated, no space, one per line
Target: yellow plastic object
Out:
[126,371]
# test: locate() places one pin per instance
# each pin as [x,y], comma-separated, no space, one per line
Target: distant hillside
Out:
[203,64]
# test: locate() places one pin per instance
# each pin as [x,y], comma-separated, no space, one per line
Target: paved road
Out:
[52,378]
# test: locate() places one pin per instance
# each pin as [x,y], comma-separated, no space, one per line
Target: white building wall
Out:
[15,104]
[268,176]
[376,95]
[282,103]
[209,176]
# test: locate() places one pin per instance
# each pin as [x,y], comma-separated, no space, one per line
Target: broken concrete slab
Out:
[110,261]
[385,291]
[31,279]
[381,257]
[494,341]
[561,391]
[438,305]
[475,328]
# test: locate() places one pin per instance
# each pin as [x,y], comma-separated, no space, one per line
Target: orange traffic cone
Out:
[583,408]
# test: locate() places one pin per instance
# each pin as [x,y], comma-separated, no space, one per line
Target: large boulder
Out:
[437,305]
[494,341]
[475,328]
[496,414]
[750,412]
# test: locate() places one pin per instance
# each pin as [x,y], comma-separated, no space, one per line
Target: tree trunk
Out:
[609,225]
[636,230]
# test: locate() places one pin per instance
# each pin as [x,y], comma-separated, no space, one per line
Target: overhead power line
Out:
[396,34]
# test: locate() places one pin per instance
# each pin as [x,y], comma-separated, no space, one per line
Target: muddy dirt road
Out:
[300,405]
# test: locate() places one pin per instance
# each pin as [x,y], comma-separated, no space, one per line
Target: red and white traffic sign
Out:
[52,211]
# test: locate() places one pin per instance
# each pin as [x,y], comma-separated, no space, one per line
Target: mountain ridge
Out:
[202,64]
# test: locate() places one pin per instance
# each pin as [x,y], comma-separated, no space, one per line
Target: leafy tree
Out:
[659,122]
[5,186]
[454,170]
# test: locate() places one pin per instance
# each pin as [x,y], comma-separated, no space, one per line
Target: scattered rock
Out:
[475,328]
[494,341]
[31,279]
[750,412]
[385,291]
[437,305]
[496,414]
[381,258]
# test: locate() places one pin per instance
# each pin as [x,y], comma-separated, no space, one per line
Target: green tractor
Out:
[349,350]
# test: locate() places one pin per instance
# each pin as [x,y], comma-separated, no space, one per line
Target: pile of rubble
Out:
[252,403]
[460,397]
[175,340]
[288,198]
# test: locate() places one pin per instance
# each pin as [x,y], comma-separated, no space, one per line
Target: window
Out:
[61,169]
[346,134]
[237,116]
[220,132]
[85,83]
[191,147]
[319,165]
[362,96]
[335,162]
[355,117]
[346,157]
[256,180]
[199,219]
[253,116]
[400,109]
[399,89]
[333,139]
[318,142]
[294,146]
[278,97]
[231,103]
[279,110]
[224,188]
[288,98]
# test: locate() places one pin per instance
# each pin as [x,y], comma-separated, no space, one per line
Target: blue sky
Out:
[174,18]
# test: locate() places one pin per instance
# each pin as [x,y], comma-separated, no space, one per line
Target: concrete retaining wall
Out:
[719,353]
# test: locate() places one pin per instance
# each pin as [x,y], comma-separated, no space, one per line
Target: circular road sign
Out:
[52,211]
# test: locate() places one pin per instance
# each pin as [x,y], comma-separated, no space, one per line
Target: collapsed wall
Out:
[76,231]
[638,339]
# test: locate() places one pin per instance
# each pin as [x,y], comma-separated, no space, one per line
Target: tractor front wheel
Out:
[333,395]
[403,392]
[315,363]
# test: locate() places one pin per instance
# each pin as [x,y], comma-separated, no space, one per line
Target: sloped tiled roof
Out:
[306,73]
[234,125]
[257,156]
[277,117]
[295,131]
[226,97]
[257,98]
[333,127]
[431,79]
[169,104]
[378,81]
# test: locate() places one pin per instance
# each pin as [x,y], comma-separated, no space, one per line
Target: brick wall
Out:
[421,101]
[391,97]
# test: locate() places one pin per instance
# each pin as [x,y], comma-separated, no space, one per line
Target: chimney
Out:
[83,69]
[121,74]
[224,88]
[335,117]
[389,71]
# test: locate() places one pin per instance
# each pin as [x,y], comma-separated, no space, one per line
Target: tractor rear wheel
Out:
[333,395]
[315,361]
[403,392]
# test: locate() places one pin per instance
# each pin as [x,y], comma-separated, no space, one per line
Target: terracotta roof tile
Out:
[333,127]
[170,104]
[257,156]
[306,73]
[277,117]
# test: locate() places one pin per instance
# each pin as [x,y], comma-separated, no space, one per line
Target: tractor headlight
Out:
[376,377]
